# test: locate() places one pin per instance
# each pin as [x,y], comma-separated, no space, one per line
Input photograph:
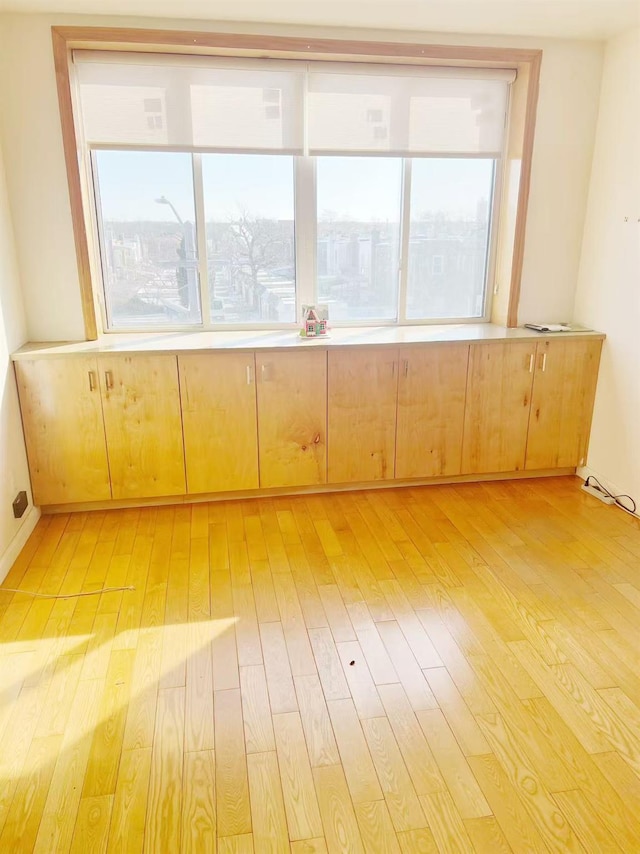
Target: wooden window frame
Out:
[518,153]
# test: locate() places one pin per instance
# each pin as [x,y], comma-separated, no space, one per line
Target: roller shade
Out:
[233,104]
[442,111]
[200,102]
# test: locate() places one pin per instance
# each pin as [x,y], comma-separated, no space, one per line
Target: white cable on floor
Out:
[64,595]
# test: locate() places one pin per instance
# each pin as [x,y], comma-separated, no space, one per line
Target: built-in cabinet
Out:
[292,418]
[67,462]
[432,387]
[497,407]
[143,425]
[363,388]
[156,424]
[564,386]
[219,421]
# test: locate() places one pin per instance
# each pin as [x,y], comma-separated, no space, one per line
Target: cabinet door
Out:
[292,418]
[141,405]
[564,387]
[218,395]
[497,408]
[363,391]
[431,395]
[64,431]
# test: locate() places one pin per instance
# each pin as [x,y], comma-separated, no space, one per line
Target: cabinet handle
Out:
[393,368]
[543,364]
[249,377]
[405,367]
[531,363]
[108,380]
[266,373]
[92,380]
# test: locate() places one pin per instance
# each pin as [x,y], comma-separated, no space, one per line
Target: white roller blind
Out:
[233,104]
[199,102]
[453,111]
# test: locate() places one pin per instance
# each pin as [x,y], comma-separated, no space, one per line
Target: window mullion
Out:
[201,238]
[405,227]
[305,233]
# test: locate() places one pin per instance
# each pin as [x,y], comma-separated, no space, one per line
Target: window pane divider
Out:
[405,228]
[201,238]
[305,215]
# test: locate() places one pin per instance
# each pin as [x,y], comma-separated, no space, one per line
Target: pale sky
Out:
[360,188]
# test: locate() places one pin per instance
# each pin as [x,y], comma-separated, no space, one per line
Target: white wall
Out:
[608,292]
[567,115]
[14,475]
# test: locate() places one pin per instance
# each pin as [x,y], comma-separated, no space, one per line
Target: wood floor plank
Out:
[399,794]
[127,829]
[337,811]
[453,765]
[198,803]
[267,805]
[282,693]
[354,753]
[588,828]
[334,683]
[164,806]
[321,744]
[256,711]
[445,823]
[92,824]
[233,815]
[303,817]
[376,828]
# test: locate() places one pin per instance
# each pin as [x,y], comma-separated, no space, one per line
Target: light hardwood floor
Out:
[444,669]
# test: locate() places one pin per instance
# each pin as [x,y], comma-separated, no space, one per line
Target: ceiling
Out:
[582,19]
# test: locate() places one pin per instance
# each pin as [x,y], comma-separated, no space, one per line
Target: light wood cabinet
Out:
[564,387]
[363,388]
[64,433]
[292,417]
[143,425]
[497,408]
[147,425]
[219,421]
[431,399]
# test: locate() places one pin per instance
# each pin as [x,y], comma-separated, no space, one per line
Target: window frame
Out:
[508,243]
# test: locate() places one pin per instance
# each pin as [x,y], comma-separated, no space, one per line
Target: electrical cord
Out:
[64,595]
[631,510]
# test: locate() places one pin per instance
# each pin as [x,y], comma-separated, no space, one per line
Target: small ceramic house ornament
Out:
[314,321]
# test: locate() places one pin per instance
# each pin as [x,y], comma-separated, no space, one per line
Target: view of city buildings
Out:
[152,269]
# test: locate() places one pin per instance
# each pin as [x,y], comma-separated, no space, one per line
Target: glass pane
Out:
[449,237]
[148,238]
[359,203]
[249,214]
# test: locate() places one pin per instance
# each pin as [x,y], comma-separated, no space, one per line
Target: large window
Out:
[229,192]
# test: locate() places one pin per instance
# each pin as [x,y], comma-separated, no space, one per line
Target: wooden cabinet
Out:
[64,433]
[497,408]
[564,387]
[363,387]
[143,425]
[147,425]
[218,395]
[431,399]
[292,417]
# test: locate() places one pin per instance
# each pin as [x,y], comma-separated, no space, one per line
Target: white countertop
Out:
[287,339]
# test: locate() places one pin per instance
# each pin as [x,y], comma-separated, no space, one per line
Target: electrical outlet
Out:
[20,504]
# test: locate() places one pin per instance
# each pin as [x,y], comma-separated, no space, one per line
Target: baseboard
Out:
[320,488]
[17,543]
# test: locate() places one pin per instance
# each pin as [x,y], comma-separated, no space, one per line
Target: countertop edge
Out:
[247,341]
